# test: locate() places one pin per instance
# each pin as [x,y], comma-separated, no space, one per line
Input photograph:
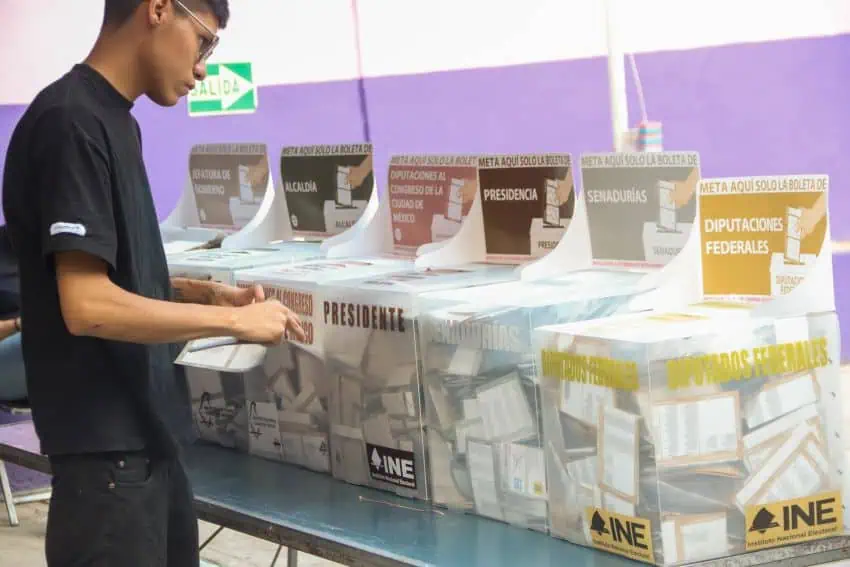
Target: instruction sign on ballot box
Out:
[430,196]
[326,187]
[228,89]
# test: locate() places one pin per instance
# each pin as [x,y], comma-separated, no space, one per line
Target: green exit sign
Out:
[228,89]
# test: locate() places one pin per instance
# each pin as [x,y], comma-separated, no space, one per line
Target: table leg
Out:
[212,537]
[7,495]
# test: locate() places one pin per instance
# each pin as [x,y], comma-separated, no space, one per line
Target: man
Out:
[102,317]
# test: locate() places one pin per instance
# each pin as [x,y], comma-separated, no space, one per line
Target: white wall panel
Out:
[289,41]
[297,41]
[418,36]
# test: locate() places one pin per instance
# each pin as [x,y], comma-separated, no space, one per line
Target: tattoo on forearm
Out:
[177,293]
[187,290]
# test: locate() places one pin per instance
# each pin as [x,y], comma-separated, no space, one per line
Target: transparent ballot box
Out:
[479,383]
[219,380]
[220,264]
[292,387]
[676,437]
[370,353]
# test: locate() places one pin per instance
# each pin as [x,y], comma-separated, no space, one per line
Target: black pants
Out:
[121,510]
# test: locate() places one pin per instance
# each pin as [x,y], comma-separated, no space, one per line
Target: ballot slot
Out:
[792,235]
[667,207]
[552,212]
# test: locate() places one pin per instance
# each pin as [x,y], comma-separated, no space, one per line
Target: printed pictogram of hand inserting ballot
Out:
[358,173]
[810,218]
[565,187]
[258,173]
[683,190]
[468,190]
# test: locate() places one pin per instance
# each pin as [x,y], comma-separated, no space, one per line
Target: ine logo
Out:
[253,430]
[392,465]
[763,521]
[206,411]
[624,535]
[793,521]
[597,524]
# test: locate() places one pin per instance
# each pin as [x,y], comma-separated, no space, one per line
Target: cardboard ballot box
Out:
[675,437]
[292,394]
[375,398]
[479,382]
[221,264]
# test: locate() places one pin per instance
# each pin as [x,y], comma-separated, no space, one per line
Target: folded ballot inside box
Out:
[220,264]
[482,410]
[675,437]
[294,381]
[370,353]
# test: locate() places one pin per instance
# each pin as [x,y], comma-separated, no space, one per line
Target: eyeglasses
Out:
[207,43]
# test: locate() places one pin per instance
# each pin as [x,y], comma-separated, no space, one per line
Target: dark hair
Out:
[116,12]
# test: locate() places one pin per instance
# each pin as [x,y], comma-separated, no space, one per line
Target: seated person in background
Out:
[13,387]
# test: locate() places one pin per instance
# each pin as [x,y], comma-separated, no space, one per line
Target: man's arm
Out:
[92,305]
[74,197]
[187,290]
[8,328]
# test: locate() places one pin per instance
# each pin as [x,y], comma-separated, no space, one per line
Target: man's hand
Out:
[267,323]
[232,296]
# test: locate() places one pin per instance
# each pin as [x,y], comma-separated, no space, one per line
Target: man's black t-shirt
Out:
[75,180]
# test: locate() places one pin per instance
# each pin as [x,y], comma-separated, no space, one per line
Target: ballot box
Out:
[675,437]
[375,394]
[482,412]
[291,398]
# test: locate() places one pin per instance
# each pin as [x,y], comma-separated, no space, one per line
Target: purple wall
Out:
[767,108]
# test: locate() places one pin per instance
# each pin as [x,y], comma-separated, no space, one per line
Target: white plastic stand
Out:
[371,235]
[270,224]
[181,231]
[465,247]
[815,294]
[571,254]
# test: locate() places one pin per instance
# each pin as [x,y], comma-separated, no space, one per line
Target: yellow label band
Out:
[793,521]
[746,364]
[623,535]
[586,369]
